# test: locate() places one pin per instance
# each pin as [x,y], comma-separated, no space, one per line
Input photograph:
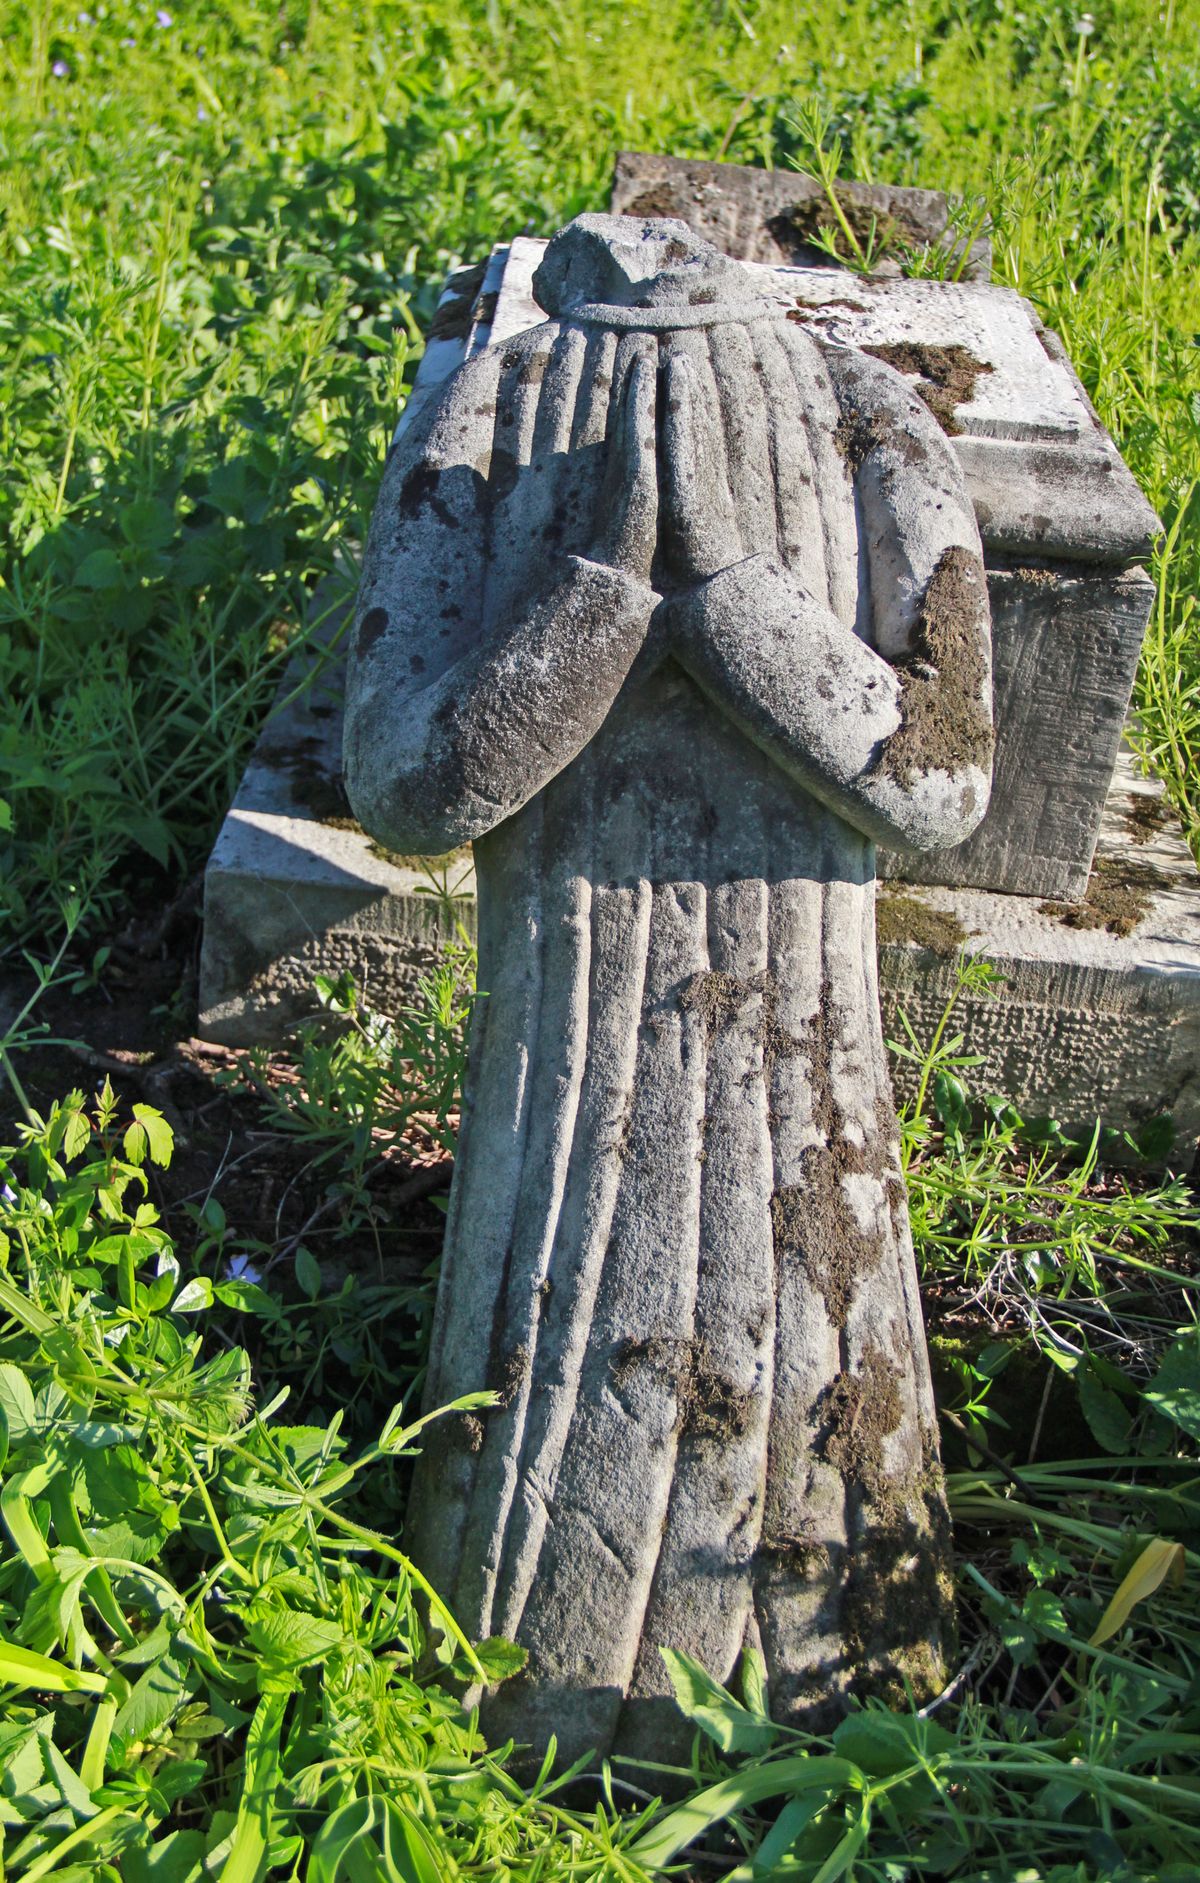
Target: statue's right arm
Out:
[458,713]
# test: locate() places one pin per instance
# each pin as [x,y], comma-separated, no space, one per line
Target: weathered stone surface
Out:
[1090,1024]
[672,604]
[769,215]
[1065,643]
[294,888]
[1053,498]
[1099,1016]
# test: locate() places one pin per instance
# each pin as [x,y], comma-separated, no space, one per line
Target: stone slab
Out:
[765,215]
[1089,1023]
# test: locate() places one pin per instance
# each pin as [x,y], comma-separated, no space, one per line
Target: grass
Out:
[223,230]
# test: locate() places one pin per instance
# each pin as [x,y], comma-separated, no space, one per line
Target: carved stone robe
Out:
[678,1246]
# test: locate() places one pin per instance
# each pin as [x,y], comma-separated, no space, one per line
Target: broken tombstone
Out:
[673,607]
[1099,1013]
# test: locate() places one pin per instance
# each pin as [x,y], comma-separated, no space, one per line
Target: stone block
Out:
[771,215]
[1099,1014]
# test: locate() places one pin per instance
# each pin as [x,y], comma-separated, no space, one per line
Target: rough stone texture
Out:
[294,888]
[1065,644]
[1099,1016]
[766,215]
[672,605]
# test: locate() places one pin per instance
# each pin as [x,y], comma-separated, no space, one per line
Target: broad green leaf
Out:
[1158,1562]
[16,1402]
[375,1840]
[882,1744]
[1175,1389]
[151,1135]
[1108,1419]
[708,1705]
[193,1296]
[155,1698]
[176,1858]
[289,1639]
[308,1272]
[102,569]
[502,1659]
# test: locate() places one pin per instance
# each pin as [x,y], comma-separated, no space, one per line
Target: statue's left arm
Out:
[898,741]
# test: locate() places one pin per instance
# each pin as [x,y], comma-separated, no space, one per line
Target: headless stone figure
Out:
[674,609]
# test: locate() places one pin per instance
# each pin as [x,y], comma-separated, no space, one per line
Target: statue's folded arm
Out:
[899,741]
[458,712]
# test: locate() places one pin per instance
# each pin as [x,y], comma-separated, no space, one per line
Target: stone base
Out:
[1090,1022]
[1099,1013]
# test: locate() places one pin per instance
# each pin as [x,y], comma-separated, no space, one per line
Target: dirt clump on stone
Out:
[1146,816]
[856,435]
[903,916]
[862,1410]
[946,375]
[945,724]
[708,1404]
[1117,897]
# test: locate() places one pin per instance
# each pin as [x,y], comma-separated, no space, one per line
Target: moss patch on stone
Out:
[945,722]
[1119,894]
[901,915]
[945,375]
[878,232]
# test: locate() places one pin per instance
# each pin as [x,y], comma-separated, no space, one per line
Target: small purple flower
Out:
[84,19]
[127,45]
[163,18]
[61,69]
[241,1268]
[201,115]
[7,1193]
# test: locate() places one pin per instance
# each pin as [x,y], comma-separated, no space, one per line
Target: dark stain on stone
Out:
[472,1428]
[416,663]
[420,490]
[945,724]
[1118,895]
[453,318]
[946,375]
[903,916]
[320,791]
[503,473]
[373,624]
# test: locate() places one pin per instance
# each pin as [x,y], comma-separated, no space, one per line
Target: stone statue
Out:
[674,609]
